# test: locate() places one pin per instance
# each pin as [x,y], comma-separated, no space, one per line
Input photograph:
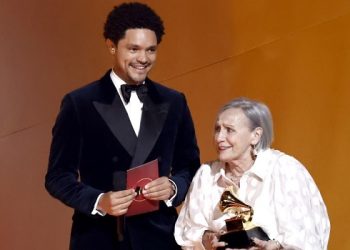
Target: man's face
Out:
[135,55]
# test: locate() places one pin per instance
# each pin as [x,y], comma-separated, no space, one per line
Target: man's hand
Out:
[116,203]
[158,189]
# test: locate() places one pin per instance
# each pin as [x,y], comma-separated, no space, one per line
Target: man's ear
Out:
[111,46]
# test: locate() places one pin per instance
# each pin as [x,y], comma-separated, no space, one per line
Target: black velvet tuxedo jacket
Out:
[93,139]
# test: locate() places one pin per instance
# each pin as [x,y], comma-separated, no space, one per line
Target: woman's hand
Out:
[262,245]
[210,240]
[267,245]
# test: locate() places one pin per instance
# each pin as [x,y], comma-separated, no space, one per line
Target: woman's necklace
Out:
[235,173]
[234,176]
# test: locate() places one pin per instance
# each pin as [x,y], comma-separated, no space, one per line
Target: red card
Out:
[137,178]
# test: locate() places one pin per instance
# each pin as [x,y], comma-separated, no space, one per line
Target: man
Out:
[98,135]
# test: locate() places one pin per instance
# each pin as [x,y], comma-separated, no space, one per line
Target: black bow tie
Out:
[141,91]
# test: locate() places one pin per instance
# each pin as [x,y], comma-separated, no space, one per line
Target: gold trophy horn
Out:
[240,228]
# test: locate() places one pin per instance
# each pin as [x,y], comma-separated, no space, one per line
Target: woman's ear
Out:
[256,135]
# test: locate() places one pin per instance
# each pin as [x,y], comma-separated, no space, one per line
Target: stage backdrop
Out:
[294,55]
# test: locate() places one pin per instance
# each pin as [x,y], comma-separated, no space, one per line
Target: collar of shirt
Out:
[261,165]
[134,107]
[117,82]
[258,170]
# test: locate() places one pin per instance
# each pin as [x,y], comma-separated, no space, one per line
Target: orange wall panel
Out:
[294,55]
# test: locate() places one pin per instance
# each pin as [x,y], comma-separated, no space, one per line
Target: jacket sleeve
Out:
[186,156]
[62,177]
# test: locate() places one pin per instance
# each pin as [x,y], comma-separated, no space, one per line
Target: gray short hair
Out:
[258,114]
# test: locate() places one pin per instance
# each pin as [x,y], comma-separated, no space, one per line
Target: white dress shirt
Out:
[134,107]
[286,202]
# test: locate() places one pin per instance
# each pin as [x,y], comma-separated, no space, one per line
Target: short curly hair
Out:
[132,15]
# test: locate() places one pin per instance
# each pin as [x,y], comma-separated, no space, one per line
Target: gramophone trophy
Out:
[240,229]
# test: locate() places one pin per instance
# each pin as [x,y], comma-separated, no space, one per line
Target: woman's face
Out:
[233,136]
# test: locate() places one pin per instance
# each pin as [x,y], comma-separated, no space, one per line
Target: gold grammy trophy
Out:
[240,229]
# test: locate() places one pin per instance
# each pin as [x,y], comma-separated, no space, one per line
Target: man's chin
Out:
[136,81]
[139,79]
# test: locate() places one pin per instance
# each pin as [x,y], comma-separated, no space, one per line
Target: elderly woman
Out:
[286,202]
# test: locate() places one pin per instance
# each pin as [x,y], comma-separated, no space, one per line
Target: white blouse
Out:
[286,202]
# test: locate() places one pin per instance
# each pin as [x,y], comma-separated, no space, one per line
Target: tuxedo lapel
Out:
[152,121]
[113,112]
[116,117]
[118,122]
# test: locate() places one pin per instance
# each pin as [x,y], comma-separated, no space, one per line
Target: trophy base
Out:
[242,238]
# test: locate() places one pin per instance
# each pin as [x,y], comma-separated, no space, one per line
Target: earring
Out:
[112,51]
[254,151]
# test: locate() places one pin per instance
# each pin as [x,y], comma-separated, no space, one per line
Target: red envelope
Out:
[137,178]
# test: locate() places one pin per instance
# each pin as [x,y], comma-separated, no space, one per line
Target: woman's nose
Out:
[219,136]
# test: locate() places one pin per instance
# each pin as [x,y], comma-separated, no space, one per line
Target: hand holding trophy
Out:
[240,229]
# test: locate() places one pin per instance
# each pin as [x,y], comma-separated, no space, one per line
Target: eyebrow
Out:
[225,124]
[152,47]
[138,46]
[228,125]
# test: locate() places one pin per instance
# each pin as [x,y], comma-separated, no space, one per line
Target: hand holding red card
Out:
[137,178]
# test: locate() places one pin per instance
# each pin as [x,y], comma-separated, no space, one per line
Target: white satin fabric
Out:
[286,201]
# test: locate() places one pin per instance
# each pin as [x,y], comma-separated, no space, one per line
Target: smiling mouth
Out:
[140,67]
[223,148]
